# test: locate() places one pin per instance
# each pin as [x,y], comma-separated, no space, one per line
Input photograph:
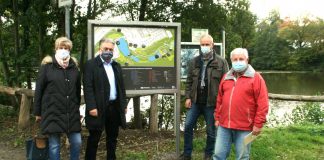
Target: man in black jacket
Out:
[105,99]
[204,75]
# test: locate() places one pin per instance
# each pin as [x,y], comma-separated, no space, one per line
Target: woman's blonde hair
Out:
[63,41]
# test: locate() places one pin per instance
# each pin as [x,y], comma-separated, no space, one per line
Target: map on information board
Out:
[140,46]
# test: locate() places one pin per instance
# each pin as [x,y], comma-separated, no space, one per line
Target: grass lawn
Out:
[285,143]
[294,142]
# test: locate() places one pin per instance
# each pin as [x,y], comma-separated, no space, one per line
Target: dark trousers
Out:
[112,128]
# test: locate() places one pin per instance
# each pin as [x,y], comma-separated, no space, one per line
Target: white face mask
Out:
[204,49]
[62,53]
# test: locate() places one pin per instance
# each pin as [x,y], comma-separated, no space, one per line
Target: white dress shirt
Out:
[111,77]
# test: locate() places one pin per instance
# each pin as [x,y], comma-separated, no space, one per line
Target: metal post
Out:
[177,121]
[67,21]
[223,45]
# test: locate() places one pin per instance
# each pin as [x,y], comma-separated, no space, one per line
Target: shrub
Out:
[311,112]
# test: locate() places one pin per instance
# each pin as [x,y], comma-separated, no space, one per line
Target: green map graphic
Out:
[151,47]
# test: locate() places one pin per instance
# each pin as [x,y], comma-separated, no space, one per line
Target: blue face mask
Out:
[205,49]
[239,66]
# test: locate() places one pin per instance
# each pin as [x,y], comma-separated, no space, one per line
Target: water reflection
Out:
[295,83]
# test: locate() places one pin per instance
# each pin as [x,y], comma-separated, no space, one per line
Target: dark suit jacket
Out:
[96,92]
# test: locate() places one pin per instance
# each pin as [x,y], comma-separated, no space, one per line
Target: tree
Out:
[305,36]
[269,51]
[242,22]
[4,64]
[202,14]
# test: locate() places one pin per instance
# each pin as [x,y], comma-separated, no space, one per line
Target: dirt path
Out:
[11,153]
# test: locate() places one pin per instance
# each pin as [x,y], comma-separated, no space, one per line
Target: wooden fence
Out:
[28,94]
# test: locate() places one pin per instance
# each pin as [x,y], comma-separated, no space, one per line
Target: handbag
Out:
[37,147]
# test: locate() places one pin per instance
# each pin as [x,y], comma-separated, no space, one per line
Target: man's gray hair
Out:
[207,36]
[106,40]
[240,51]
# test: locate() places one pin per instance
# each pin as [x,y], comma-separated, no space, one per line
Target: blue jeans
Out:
[55,146]
[191,119]
[224,140]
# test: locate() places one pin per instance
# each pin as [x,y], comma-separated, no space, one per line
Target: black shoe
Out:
[184,157]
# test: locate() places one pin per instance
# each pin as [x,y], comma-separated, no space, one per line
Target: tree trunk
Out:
[24,113]
[142,10]
[26,43]
[89,8]
[154,114]
[60,22]
[161,115]
[41,31]
[130,10]
[41,41]
[16,35]
[72,19]
[4,64]
[137,113]
[5,68]
[85,40]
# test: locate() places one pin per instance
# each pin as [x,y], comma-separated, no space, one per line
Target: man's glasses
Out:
[205,44]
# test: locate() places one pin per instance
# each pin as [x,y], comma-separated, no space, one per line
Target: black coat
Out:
[57,97]
[96,92]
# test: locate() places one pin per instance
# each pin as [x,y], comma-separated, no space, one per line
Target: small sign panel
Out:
[63,3]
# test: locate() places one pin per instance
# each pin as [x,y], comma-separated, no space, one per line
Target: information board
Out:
[147,51]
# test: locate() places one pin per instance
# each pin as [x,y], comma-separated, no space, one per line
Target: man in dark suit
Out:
[105,99]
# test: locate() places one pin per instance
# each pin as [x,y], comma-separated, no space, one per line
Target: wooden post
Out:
[24,113]
[137,113]
[154,114]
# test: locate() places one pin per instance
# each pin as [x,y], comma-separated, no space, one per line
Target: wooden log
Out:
[7,90]
[24,113]
[30,93]
[296,97]
[154,114]
[27,92]
[286,97]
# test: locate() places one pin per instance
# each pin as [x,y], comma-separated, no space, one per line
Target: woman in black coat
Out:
[57,99]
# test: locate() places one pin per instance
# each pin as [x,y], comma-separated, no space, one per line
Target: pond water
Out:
[296,83]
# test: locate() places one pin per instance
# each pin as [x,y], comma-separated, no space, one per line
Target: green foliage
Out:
[6,112]
[166,112]
[284,44]
[269,51]
[241,23]
[311,112]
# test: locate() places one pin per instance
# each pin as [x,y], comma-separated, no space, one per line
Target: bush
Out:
[6,112]
[311,112]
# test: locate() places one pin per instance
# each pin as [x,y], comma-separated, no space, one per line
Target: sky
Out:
[288,8]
